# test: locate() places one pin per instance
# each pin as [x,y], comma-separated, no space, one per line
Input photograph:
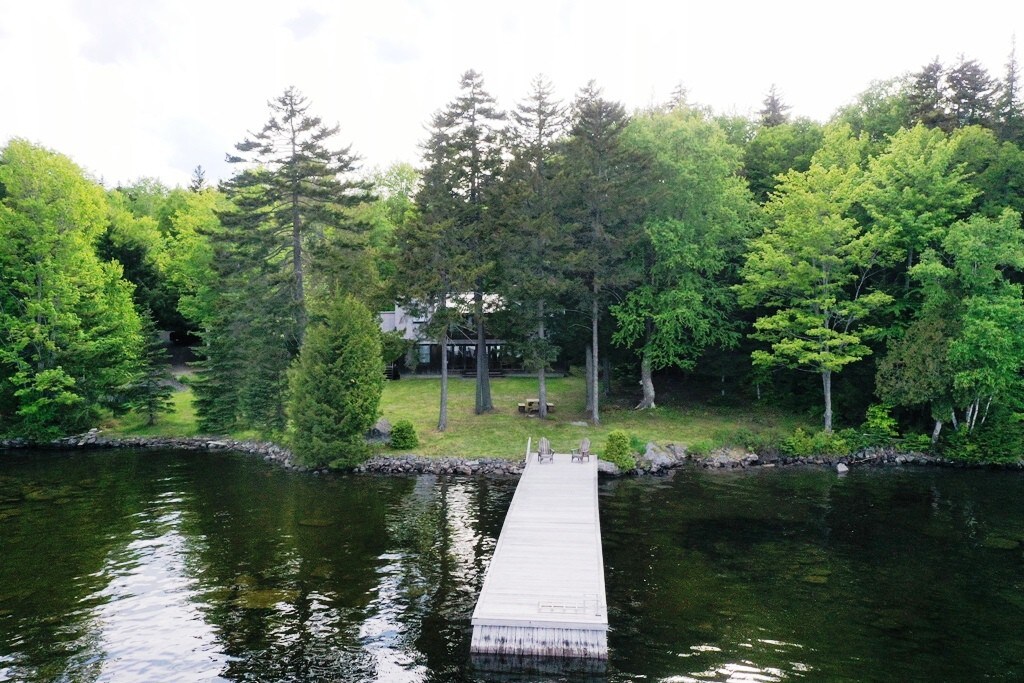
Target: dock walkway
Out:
[544,590]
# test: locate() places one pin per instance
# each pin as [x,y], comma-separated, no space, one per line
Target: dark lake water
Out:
[165,566]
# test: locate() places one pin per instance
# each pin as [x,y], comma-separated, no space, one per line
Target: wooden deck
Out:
[544,590]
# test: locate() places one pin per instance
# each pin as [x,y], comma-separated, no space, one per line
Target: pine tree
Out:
[774,111]
[464,157]
[336,385]
[536,246]
[198,182]
[1009,110]
[298,187]
[971,94]
[926,98]
[150,393]
[600,201]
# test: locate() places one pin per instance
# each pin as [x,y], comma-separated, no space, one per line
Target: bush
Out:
[636,445]
[336,384]
[999,440]
[916,443]
[801,444]
[879,427]
[617,450]
[403,436]
[702,448]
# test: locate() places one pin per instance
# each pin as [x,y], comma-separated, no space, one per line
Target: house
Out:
[424,358]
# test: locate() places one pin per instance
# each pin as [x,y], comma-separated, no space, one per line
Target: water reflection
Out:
[170,566]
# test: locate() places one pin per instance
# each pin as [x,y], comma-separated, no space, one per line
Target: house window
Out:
[424,354]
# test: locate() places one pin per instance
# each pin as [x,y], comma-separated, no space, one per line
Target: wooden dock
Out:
[544,590]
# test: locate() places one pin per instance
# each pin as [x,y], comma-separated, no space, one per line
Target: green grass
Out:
[503,432]
[181,421]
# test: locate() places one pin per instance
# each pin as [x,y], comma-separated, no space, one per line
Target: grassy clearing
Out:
[181,421]
[503,433]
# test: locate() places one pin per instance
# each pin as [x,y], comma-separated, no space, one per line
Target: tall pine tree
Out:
[601,203]
[464,157]
[535,257]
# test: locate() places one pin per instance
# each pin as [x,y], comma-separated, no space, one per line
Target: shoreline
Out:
[656,460]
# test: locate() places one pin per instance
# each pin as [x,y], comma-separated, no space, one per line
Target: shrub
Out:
[336,384]
[636,445]
[916,443]
[403,436]
[879,427]
[702,448]
[617,450]
[801,444]
[999,440]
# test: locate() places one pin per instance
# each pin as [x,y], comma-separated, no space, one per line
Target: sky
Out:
[153,88]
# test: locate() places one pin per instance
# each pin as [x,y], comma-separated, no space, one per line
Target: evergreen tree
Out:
[774,111]
[601,201]
[464,157]
[298,187]
[1009,109]
[536,247]
[971,94]
[198,181]
[150,393]
[926,97]
[336,386]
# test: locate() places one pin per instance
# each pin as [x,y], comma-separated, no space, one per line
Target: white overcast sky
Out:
[134,88]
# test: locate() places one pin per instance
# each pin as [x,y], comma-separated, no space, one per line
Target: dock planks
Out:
[544,591]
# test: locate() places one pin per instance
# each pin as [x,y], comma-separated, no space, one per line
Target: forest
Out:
[866,271]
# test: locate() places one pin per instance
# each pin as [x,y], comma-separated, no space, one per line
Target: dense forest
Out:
[867,270]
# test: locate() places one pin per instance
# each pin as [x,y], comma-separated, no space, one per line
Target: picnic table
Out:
[532,405]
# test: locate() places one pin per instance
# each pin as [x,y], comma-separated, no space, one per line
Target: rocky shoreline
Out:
[656,460]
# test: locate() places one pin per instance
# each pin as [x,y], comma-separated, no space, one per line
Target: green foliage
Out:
[880,427]
[150,392]
[761,442]
[701,448]
[336,386]
[403,436]
[999,440]
[636,444]
[697,223]
[812,269]
[802,444]
[775,150]
[617,450]
[69,333]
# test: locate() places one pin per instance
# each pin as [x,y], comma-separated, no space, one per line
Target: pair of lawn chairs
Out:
[544,451]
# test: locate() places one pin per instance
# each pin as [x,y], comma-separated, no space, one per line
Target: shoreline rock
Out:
[656,460]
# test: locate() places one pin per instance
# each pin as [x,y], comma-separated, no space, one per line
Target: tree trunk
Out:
[647,383]
[936,431]
[595,412]
[826,382]
[300,296]
[442,420]
[589,371]
[483,378]
[542,384]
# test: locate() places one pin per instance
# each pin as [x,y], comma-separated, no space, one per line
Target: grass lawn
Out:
[181,421]
[503,432]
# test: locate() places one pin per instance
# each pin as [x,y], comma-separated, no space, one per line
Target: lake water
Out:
[166,566]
